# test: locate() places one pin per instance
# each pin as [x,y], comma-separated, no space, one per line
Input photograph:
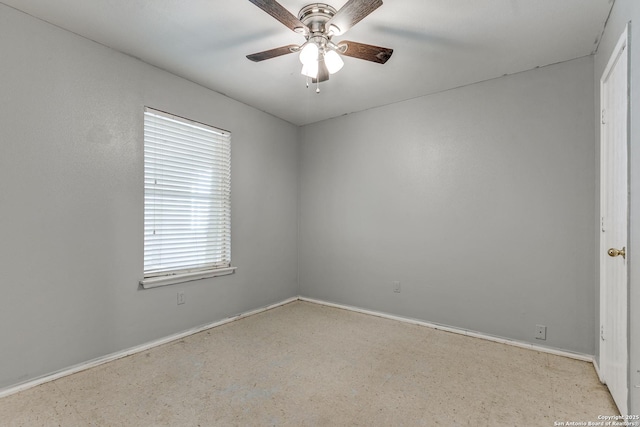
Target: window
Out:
[187,200]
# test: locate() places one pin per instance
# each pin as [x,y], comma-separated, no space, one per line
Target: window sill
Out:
[154,282]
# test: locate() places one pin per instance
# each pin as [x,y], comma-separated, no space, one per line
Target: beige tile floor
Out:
[306,364]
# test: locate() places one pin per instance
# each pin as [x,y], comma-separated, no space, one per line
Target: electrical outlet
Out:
[396,287]
[181,298]
[541,332]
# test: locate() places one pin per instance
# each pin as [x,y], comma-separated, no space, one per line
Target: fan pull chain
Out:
[318,86]
[307,80]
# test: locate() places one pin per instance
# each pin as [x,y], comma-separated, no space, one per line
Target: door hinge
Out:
[602,223]
[602,332]
[603,117]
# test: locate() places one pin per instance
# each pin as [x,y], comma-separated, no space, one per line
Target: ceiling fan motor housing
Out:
[315,15]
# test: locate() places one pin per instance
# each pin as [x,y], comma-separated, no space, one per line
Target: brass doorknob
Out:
[615,252]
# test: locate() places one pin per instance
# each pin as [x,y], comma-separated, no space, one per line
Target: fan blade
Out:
[366,51]
[272,53]
[275,9]
[351,13]
[323,73]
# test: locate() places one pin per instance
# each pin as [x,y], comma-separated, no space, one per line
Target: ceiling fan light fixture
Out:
[309,54]
[333,61]
[310,70]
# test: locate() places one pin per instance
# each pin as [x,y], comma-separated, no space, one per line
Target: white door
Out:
[614,223]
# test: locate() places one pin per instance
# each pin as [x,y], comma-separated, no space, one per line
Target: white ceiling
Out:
[438,45]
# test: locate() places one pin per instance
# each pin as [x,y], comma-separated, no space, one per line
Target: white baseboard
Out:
[144,347]
[133,350]
[521,344]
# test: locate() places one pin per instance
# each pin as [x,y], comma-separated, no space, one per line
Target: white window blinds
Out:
[187,196]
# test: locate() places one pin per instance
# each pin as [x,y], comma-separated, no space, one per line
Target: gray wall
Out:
[71,202]
[480,200]
[623,12]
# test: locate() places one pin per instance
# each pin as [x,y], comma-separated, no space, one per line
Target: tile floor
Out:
[309,365]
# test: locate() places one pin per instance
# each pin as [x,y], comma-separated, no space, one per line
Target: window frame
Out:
[162,276]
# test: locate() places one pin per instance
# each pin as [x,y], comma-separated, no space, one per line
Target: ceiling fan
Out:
[319,23]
